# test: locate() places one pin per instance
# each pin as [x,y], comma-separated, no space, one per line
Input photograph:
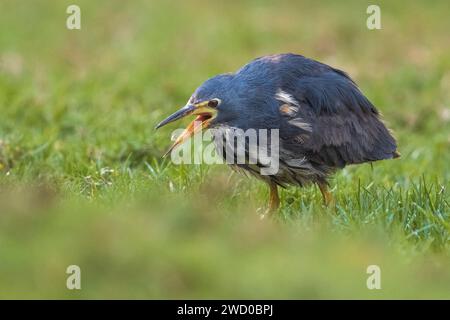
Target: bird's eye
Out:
[213,103]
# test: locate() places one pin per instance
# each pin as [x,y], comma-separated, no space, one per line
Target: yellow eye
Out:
[213,103]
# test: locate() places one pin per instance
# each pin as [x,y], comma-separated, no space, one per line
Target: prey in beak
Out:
[205,111]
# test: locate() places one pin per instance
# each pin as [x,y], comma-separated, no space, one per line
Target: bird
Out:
[323,120]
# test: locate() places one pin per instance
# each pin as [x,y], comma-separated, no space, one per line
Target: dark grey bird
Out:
[323,121]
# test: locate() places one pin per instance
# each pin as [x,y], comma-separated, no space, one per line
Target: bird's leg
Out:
[274,199]
[327,196]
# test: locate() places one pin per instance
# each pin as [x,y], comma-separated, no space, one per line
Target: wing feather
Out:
[346,127]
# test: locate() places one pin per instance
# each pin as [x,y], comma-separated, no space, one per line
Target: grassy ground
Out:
[82,180]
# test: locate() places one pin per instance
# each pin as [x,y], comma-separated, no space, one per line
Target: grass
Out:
[82,180]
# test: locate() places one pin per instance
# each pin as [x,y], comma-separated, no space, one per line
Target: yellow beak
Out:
[204,116]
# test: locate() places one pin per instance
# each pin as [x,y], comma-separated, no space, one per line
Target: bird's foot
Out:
[264,213]
[267,212]
[274,199]
[328,199]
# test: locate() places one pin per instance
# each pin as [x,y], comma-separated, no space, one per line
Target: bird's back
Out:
[323,117]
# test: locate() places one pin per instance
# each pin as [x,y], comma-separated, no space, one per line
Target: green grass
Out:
[82,180]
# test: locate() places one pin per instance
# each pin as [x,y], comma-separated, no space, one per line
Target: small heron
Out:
[324,121]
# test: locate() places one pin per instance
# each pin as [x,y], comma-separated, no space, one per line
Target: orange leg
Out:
[274,199]
[327,196]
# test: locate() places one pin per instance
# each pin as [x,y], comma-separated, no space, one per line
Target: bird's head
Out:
[211,103]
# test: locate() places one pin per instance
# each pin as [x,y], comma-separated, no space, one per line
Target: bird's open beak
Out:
[204,116]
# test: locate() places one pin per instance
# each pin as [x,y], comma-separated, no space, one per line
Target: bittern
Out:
[324,121]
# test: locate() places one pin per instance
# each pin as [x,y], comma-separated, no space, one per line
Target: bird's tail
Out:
[396,154]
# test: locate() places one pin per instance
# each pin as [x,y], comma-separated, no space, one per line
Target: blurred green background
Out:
[82,180]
